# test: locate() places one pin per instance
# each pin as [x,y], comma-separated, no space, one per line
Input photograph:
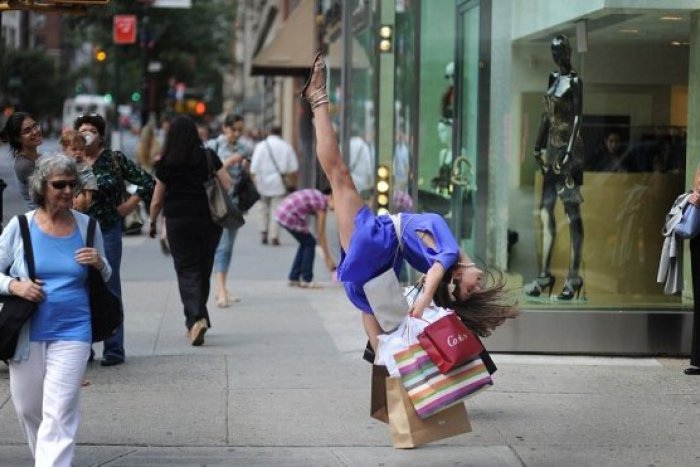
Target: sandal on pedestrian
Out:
[310,285]
[314,91]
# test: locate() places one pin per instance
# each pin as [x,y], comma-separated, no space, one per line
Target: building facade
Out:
[471,105]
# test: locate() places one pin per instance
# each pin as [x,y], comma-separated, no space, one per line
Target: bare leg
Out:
[346,199]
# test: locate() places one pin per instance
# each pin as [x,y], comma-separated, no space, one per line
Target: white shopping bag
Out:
[405,334]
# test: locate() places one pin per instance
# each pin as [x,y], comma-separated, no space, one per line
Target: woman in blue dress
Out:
[371,246]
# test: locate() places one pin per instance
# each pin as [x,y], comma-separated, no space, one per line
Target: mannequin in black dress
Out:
[559,152]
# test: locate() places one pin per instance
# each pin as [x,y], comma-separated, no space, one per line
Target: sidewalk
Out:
[280,382]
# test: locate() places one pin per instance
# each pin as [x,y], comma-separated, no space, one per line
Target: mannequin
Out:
[559,152]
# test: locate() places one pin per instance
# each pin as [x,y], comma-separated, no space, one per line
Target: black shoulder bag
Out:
[14,310]
[105,308]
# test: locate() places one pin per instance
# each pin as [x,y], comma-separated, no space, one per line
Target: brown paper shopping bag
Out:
[378,402]
[408,430]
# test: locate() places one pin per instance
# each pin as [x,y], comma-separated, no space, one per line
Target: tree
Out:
[193,45]
[30,82]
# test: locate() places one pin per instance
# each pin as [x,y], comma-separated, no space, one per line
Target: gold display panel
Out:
[623,214]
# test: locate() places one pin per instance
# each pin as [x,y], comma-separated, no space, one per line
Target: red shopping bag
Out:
[449,343]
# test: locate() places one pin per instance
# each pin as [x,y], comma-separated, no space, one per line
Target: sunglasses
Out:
[62,184]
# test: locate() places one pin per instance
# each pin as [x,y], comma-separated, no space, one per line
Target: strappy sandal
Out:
[319,96]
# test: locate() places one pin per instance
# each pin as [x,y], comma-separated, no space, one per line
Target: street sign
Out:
[124,29]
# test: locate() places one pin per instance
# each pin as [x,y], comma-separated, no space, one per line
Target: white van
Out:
[86,104]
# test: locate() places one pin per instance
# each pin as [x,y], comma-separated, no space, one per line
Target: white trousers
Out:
[267,223]
[45,390]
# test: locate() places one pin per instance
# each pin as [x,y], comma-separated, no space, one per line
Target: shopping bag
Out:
[406,334]
[408,430]
[449,343]
[378,400]
[431,391]
[689,226]
[385,296]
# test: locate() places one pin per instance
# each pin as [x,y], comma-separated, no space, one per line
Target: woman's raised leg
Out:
[346,199]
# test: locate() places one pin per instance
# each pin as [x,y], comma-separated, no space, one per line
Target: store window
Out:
[601,154]
[436,106]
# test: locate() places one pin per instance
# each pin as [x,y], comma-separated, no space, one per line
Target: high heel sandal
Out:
[572,288]
[318,96]
[538,286]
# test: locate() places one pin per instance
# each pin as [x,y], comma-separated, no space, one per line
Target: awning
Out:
[291,51]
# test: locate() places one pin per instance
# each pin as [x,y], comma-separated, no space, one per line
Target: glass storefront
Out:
[550,142]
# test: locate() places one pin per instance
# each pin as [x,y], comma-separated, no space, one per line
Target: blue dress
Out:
[374,248]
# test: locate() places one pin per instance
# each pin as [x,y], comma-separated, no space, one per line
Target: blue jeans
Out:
[112,237]
[303,265]
[222,257]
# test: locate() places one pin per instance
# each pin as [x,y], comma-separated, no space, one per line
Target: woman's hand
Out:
[153,230]
[128,206]
[32,291]
[89,257]
[330,264]
[235,159]
[694,199]
[420,304]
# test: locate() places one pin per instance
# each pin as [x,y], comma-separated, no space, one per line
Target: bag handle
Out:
[90,237]
[27,243]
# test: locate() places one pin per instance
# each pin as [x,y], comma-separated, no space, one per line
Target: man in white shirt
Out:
[273,158]
[361,166]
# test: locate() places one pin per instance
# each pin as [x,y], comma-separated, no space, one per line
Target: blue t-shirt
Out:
[374,248]
[65,312]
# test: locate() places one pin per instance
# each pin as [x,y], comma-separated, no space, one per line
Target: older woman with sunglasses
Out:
[47,368]
[24,135]
[372,245]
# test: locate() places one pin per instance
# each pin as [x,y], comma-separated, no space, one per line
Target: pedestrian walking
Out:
[49,362]
[235,158]
[180,176]
[373,245]
[274,168]
[109,205]
[293,214]
[23,133]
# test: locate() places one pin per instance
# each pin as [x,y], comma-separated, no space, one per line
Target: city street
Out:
[280,382]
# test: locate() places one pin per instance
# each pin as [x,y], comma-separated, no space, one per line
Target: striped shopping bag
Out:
[431,391]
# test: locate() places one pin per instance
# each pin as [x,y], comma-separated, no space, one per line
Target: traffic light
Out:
[135,96]
[383,187]
[100,55]
[200,108]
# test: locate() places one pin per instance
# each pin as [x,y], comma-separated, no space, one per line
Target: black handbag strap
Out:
[27,244]
[90,237]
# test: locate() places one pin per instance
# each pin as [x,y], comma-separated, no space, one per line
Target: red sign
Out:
[124,29]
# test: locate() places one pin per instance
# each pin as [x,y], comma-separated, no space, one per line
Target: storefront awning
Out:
[291,51]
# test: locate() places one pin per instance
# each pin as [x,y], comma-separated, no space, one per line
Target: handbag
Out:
[245,194]
[14,310]
[449,343]
[409,430]
[431,391]
[689,226]
[288,179]
[221,207]
[105,308]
